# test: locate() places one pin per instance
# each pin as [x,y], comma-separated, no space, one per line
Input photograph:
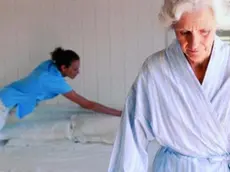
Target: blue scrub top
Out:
[44,82]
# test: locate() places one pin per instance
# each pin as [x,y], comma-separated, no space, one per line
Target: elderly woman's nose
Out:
[194,41]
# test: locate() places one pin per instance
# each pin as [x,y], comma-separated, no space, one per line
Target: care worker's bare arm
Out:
[87,104]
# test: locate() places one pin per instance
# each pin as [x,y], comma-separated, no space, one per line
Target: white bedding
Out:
[40,143]
[55,156]
[93,128]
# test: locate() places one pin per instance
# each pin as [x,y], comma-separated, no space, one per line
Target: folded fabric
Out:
[93,128]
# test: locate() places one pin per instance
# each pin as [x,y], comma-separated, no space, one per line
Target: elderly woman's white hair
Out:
[173,9]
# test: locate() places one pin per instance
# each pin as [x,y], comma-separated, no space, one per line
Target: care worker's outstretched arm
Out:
[91,105]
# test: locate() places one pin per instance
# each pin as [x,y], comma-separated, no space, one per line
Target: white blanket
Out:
[99,128]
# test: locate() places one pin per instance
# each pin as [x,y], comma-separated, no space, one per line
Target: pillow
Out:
[36,127]
[83,127]
[93,128]
[39,130]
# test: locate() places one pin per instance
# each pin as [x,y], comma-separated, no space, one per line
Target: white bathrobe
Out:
[190,120]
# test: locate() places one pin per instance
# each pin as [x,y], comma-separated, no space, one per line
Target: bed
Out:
[43,142]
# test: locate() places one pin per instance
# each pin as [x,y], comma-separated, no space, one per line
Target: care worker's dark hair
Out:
[63,57]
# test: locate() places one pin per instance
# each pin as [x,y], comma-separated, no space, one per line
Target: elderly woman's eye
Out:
[184,32]
[205,32]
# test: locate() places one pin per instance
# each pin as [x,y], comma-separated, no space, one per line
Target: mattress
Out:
[55,156]
[40,143]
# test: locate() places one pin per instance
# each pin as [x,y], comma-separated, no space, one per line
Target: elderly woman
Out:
[46,82]
[181,97]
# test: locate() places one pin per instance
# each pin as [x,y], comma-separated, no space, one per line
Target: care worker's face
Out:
[195,32]
[72,71]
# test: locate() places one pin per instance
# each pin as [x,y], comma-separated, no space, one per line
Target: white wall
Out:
[112,37]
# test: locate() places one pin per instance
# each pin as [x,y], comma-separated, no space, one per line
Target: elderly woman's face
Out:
[195,32]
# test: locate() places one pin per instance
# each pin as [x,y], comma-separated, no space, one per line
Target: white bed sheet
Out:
[55,156]
[25,153]
[58,156]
